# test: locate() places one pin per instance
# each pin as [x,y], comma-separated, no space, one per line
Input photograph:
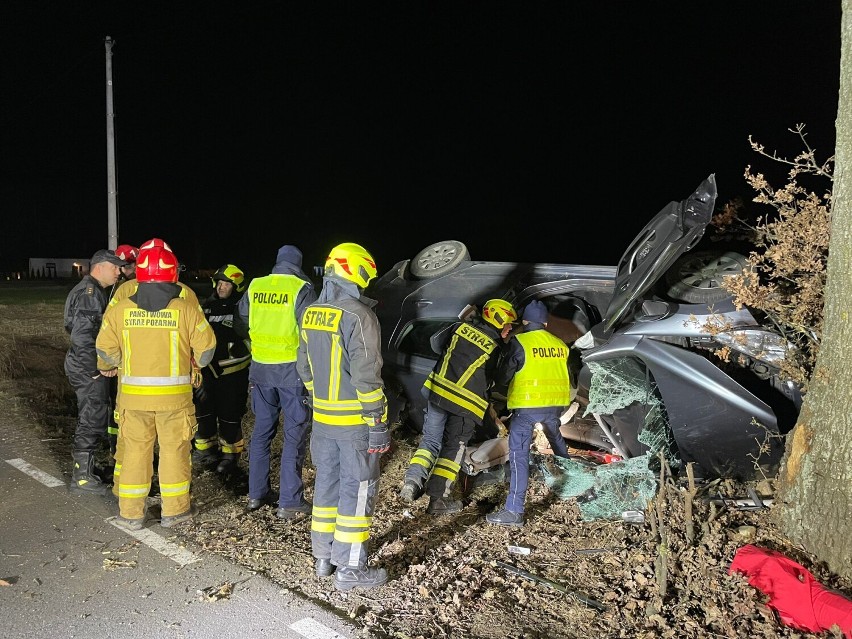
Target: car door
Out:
[673,231]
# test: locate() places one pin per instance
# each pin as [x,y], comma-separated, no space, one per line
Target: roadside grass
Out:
[18,293]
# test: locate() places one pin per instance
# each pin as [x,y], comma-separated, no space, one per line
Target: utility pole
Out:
[112,194]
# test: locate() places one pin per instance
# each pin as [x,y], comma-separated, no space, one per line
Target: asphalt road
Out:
[66,571]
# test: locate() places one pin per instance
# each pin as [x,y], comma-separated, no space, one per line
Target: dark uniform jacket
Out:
[232,351]
[460,380]
[84,310]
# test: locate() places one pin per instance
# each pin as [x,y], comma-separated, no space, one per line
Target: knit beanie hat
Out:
[536,311]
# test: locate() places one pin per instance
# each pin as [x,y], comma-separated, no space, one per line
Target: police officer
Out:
[269,315]
[220,401]
[84,309]
[536,370]
[340,361]
[456,391]
[153,336]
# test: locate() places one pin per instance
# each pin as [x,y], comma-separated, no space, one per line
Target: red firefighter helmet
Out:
[126,252]
[155,241]
[156,264]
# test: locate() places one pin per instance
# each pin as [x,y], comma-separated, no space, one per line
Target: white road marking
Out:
[163,546]
[39,475]
[312,629]
[147,537]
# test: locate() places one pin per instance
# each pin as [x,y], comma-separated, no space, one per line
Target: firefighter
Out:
[456,391]
[129,254]
[152,337]
[340,361]
[84,310]
[123,290]
[536,370]
[220,401]
[128,288]
[269,314]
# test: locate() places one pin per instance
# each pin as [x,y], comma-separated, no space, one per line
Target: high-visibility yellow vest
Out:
[543,379]
[273,329]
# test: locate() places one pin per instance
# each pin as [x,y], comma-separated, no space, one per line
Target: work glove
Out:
[200,394]
[380,438]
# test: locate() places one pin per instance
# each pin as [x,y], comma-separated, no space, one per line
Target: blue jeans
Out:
[267,402]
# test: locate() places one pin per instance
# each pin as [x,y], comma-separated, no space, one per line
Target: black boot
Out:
[228,463]
[84,480]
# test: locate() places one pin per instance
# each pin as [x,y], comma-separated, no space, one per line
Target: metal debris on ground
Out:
[597,605]
[214,593]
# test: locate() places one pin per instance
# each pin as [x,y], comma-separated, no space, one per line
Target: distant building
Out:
[53,267]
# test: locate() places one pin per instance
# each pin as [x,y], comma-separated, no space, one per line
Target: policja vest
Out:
[273,328]
[543,379]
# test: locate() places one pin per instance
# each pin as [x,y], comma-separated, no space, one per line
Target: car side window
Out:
[415,337]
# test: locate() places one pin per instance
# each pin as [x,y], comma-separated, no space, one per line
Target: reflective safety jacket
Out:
[461,378]
[273,326]
[153,351]
[538,364]
[129,287]
[340,357]
[232,352]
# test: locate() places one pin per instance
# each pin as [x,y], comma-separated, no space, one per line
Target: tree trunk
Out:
[815,481]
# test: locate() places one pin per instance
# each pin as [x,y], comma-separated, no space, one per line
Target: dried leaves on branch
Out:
[786,280]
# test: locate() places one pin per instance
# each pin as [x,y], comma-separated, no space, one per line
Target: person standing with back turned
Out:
[269,315]
[84,310]
[340,360]
[536,370]
[154,336]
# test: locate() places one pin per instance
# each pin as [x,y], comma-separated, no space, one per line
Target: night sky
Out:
[531,131]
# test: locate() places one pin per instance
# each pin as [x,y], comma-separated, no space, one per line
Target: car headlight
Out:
[759,344]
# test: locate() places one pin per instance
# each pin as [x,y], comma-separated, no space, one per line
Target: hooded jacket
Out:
[152,337]
[289,262]
[340,357]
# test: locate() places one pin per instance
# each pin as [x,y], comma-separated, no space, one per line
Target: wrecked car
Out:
[642,334]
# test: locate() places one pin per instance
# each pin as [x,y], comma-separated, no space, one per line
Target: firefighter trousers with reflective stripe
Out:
[94,410]
[345,488]
[140,430]
[267,403]
[441,450]
[220,412]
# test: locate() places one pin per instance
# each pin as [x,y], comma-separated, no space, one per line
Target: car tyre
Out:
[438,258]
[697,278]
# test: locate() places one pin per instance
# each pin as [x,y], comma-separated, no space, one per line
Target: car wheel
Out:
[438,258]
[696,278]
